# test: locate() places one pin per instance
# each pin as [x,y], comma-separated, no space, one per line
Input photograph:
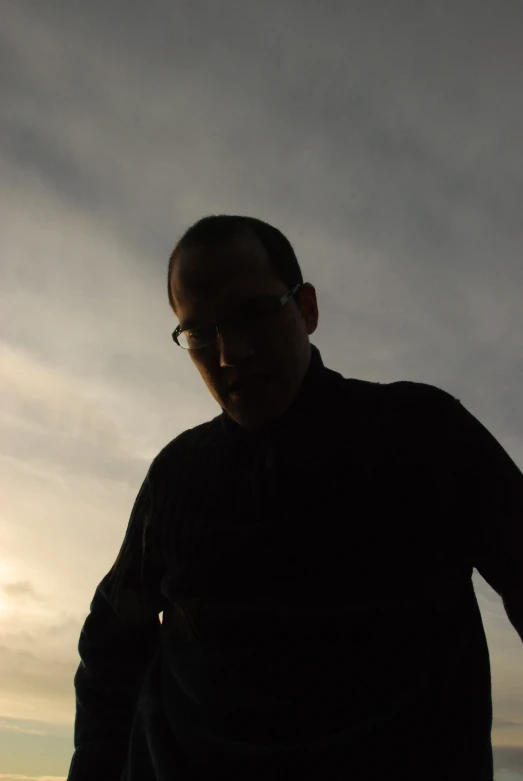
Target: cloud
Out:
[38,660]
[54,433]
[508,758]
[417,174]
[10,777]
[502,723]
[389,139]
[21,590]
[6,727]
[31,673]
[386,145]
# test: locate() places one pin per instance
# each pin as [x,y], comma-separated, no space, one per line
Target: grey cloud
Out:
[22,590]
[342,136]
[70,456]
[483,589]
[387,145]
[40,665]
[338,134]
[70,625]
[26,673]
[356,124]
[399,133]
[508,758]
[18,777]
[504,724]
[8,727]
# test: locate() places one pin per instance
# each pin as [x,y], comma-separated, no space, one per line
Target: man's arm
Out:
[117,642]
[492,506]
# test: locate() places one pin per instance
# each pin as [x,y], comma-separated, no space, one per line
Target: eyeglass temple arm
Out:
[283,300]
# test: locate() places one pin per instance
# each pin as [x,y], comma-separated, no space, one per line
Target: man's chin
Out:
[250,421]
[253,409]
[250,417]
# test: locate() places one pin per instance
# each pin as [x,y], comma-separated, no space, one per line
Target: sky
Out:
[384,139]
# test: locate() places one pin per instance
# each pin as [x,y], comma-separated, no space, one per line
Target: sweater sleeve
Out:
[491,493]
[117,642]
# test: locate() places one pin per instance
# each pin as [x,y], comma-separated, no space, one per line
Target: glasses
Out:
[197,337]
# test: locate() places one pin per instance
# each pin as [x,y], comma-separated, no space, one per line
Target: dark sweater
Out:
[319,617]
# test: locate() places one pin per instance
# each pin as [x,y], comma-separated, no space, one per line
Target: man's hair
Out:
[222,228]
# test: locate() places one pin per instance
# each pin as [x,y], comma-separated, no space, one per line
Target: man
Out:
[311,549]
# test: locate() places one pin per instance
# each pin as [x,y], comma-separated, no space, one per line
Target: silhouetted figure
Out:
[311,549]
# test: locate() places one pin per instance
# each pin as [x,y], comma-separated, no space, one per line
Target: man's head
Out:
[226,266]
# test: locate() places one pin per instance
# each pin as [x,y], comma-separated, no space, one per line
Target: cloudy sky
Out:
[385,139]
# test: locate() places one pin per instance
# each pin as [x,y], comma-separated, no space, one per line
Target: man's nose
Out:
[234,346]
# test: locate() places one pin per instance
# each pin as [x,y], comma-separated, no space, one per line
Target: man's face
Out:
[213,285]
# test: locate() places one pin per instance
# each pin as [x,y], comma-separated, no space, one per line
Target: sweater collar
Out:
[306,397]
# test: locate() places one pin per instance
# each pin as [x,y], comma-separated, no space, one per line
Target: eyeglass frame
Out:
[282,300]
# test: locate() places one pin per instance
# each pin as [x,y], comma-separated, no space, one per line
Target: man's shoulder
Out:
[411,416]
[409,390]
[406,405]
[401,392]
[174,450]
